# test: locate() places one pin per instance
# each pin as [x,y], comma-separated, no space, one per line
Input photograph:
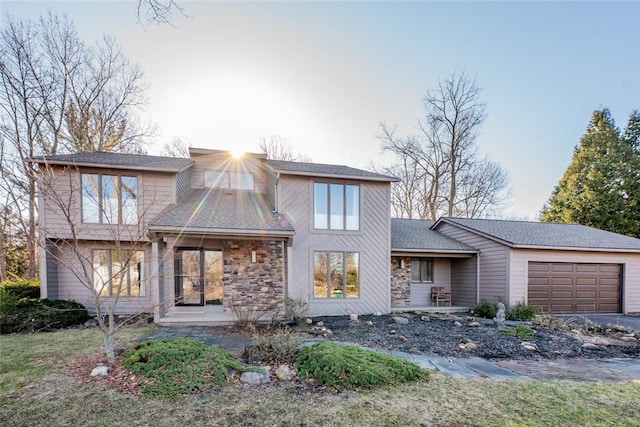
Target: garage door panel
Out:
[574,287]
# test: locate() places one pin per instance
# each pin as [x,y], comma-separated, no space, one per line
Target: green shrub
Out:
[520,331]
[32,315]
[348,367]
[21,288]
[179,366]
[522,311]
[486,309]
[282,347]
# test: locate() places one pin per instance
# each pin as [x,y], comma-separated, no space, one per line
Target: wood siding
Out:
[183,183]
[463,282]
[372,242]
[224,162]
[494,262]
[421,292]
[520,258]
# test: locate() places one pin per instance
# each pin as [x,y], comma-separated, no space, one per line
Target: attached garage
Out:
[559,287]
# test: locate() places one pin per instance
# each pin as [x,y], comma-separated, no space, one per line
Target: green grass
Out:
[36,391]
[520,331]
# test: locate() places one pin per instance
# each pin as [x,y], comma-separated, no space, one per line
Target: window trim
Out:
[228,178]
[142,291]
[102,214]
[345,206]
[431,269]
[344,293]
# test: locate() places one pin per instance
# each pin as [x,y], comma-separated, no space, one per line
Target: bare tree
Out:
[158,11]
[278,148]
[59,95]
[176,148]
[447,175]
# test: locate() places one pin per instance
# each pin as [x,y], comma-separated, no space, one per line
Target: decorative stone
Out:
[468,346]
[474,324]
[392,332]
[284,373]
[456,323]
[100,371]
[529,346]
[589,346]
[400,320]
[425,318]
[91,323]
[309,321]
[320,323]
[377,314]
[328,332]
[403,338]
[255,378]
[500,316]
[369,323]
[353,317]
[628,339]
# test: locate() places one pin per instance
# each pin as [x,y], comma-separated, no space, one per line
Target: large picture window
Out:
[118,273]
[109,199]
[336,206]
[336,274]
[231,180]
[422,270]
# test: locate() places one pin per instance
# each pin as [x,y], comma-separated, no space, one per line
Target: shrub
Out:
[486,309]
[32,315]
[179,366]
[348,367]
[282,347]
[21,288]
[520,331]
[522,311]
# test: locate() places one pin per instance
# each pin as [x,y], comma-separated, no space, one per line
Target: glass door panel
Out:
[213,277]
[188,283]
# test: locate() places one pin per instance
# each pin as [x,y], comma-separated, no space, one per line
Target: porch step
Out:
[432,309]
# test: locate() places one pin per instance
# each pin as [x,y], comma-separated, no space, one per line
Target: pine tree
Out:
[601,186]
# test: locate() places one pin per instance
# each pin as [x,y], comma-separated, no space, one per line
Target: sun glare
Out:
[236,154]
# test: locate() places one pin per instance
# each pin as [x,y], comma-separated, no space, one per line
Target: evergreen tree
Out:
[601,186]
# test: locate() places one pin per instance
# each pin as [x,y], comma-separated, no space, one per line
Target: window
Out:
[109,199]
[422,270]
[336,274]
[336,206]
[231,180]
[118,273]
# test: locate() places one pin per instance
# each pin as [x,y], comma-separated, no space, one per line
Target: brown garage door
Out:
[575,288]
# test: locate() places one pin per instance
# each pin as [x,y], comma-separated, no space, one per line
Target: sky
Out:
[325,75]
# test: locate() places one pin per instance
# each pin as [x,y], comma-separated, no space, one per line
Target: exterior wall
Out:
[183,183]
[221,162]
[70,286]
[372,242]
[407,294]
[51,277]
[463,282]
[494,262]
[519,262]
[156,191]
[400,282]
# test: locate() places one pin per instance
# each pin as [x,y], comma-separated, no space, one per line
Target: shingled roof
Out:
[222,211]
[323,170]
[118,161]
[414,235]
[545,234]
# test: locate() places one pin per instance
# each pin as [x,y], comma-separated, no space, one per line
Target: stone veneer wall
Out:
[255,286]
[400,282]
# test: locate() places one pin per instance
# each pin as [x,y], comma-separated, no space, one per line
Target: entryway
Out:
[198,277]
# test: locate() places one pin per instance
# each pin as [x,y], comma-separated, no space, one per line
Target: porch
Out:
[432,309]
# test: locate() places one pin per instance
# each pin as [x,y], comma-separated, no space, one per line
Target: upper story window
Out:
[226,179]
[109,199]
[422,270]
[336,206]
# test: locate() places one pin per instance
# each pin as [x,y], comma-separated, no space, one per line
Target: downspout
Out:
[478,278]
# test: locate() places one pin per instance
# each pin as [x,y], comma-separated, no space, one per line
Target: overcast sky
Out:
[325,75]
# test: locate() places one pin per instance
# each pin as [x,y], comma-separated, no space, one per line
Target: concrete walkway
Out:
[591,370]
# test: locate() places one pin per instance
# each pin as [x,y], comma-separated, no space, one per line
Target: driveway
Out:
[608,319]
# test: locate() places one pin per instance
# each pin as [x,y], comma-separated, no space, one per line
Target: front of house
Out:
[195,240]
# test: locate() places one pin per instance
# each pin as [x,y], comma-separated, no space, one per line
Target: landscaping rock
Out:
[320,323]
[100,371]
[400,320]
[468,346]
[529,346]
[255,378]
[309,321]
[392,332]
[589,346]
[457,323]
[403,338]
[284,373]
[91,323]
[377,314]
[425,318]
[353,317]
[474,324]
[369,323]
[628,338]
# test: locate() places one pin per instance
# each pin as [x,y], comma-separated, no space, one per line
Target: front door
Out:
[198,277]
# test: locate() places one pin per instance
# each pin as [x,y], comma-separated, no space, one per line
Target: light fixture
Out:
[402,263]
[253,256]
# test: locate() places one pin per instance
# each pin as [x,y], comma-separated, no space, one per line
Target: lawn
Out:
[35,390]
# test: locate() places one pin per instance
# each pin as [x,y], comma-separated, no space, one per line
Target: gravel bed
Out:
[450,336]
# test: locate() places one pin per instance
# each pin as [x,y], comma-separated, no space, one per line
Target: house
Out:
[195,240]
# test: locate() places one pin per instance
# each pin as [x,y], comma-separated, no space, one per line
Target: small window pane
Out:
[136,285]
[353,276]
[336,266]
[320,205]
[241,181]
[216,179]
[129,197]
[109,199]
[320,275]
[90,198]
[101,271]
[336,192]
[353,207]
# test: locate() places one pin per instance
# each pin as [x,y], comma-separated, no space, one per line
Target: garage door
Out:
[574,288]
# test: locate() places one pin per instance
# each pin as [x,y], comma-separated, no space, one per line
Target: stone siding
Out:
[400,282]
[255,286]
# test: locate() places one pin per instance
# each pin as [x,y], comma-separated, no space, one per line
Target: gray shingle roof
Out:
[545,234]
[415,234]
[238,212]
[118,161]
[319,169]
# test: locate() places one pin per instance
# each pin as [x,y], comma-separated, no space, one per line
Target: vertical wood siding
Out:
[223,162]
[520,259]
[494,258]
[463,281]
[372,241]
[183,183]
